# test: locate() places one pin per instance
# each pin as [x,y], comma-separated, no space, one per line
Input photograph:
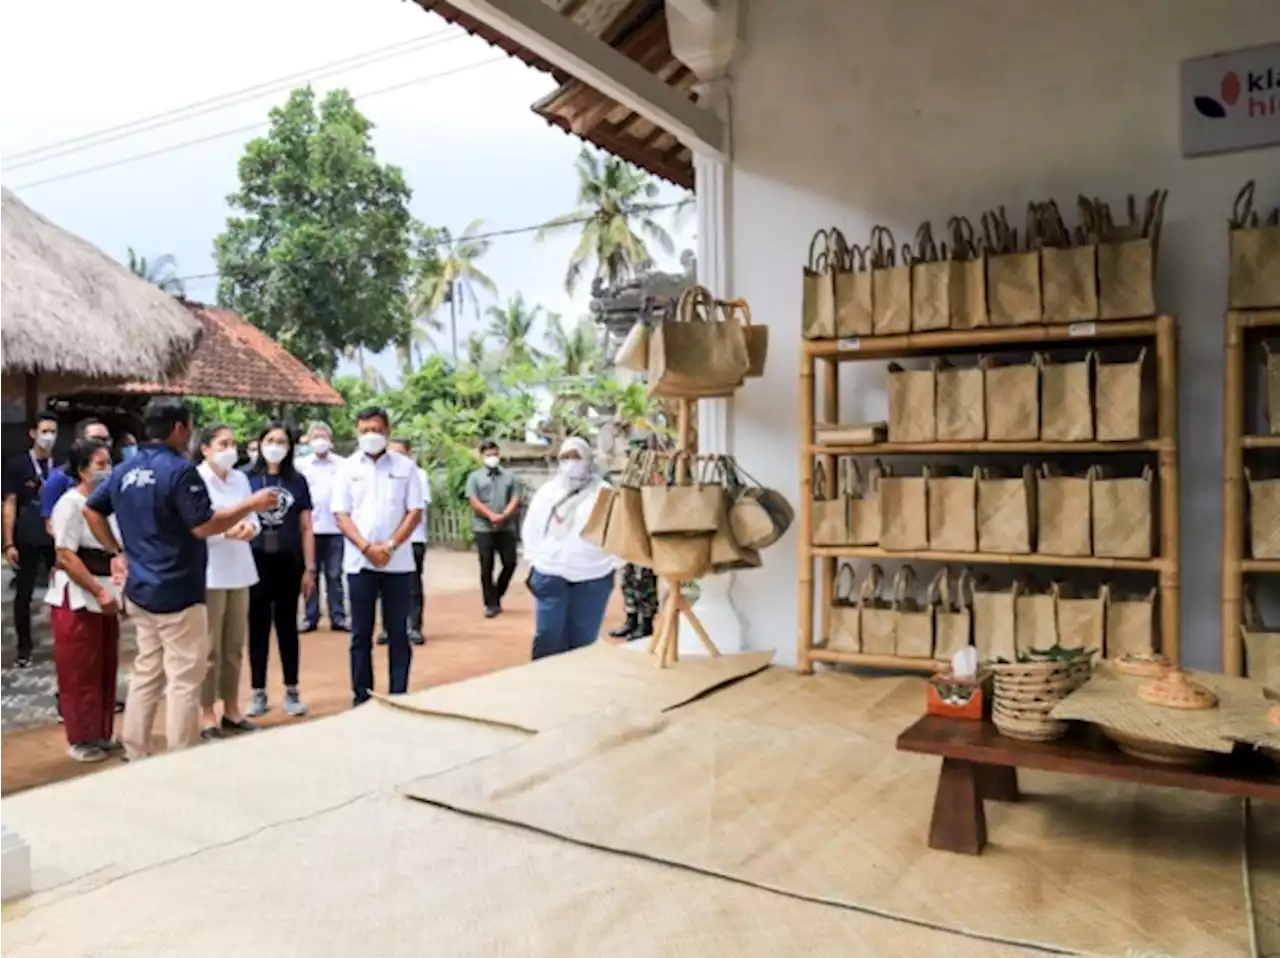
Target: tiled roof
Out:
[236,360]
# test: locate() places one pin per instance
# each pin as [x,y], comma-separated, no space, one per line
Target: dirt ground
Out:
[461,644]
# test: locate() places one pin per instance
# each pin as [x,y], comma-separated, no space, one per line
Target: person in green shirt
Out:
[494,495]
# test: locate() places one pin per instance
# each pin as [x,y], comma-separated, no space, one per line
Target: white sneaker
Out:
[293,705]
[87,753]
[258,704]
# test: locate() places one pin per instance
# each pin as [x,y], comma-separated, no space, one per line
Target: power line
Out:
[495,234]
[245,129]
[223,101]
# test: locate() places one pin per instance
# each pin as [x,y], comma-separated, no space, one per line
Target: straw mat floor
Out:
[1079,865]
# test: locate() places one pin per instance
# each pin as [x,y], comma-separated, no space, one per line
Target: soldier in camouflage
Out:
[640,598]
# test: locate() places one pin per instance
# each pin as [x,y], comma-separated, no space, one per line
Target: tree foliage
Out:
[317,248]
[162,271]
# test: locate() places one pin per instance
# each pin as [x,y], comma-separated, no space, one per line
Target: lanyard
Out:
[40,466]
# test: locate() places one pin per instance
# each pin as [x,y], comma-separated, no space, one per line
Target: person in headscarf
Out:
[571,579]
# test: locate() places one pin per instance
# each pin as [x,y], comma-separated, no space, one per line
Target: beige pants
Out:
[228,632]
[173,654]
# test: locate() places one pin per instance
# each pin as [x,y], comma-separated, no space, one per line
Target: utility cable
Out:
[179,114]
[495,234]
[245,129]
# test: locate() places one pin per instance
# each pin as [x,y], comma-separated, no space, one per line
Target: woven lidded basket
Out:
[1026,692]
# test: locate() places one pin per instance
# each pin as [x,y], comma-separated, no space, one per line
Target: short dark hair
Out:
[81,454]
[162,415]
[404,441]
[47,415]
[487,445]
[83,425]
[374,412]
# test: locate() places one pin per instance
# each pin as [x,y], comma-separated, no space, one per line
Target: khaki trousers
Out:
[228,631]
[173,654]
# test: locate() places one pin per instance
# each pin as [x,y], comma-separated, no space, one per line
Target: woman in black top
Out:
[286,558]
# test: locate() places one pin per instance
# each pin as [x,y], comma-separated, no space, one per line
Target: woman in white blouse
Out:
[85,601]
[571,579]
[230,573]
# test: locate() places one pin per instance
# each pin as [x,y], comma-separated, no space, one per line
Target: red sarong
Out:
[86,651]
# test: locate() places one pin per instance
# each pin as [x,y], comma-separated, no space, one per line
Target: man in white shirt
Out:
[419,543]
[377,502]
[320,470]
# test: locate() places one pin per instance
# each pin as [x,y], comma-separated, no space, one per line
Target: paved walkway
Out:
[461,644]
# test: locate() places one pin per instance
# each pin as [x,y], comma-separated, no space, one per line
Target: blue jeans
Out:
[569,614]
[395,589]
[329,571]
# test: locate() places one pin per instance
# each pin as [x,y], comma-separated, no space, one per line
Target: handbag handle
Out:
[883,248]
[819,259]
[963,246]
[696,304]
[735,310]
[964,590]
[870,585]
[939,590]
[845,597]
[820,481]
[903,579]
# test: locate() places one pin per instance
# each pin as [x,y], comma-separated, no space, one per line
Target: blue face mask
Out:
[127,453]
[302,450]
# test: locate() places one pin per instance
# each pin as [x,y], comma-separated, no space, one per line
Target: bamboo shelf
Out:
[1245,333]
[820,402]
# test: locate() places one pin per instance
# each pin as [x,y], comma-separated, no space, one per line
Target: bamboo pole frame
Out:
[830,354]
[1236,563]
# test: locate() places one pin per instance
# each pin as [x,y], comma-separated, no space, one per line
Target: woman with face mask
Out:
[285,554]
[85,608]
[230,573]
[571,579]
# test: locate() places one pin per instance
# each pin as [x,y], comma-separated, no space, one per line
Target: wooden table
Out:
[979,763]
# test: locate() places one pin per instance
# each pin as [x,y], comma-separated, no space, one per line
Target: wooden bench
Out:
[979,763]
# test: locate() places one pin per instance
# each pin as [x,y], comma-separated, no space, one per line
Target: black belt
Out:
[97,561]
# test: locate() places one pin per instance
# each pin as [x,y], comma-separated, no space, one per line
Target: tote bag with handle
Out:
[877,614]
[1006,512]
[846,631]
[1012,400]
[953,616]
[1081,618]
[960,403]
[890,285]
[756,335]
[911,404]
[994,619]
[1122,514]
[913,630]
[691,507]
[1068,267]
[1127,255]
[626,535]
[853,302]
[830,507]
[1066,400]
[1125,399]
[1013,272]
[904,524]
[1254,255]
[953,512]
[1035,621]
[864,503]
[1130,626]
[697,354]
[930,283]
[967,287]
[1064,510]
[818,316]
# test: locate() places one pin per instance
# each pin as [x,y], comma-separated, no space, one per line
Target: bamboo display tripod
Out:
[665,642]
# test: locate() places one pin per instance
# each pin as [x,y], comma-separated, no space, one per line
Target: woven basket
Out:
[1026,692]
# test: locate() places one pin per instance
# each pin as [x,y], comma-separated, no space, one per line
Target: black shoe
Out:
[626,630]
[119,706]
[309,627]
[339,627]
[384,639]
[211,733]
[244,725]
[643,629]
[416,638]
[491,611]
[24,662]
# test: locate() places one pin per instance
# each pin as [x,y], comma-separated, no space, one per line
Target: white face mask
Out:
[575,470]
[224,459]
[492,461]
[320,446]
[45,440]
[372,443]
[274,453]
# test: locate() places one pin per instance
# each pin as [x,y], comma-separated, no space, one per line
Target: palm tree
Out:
[162,271]
[510,327]
[476,350]
[615,203]
[457,277]
[577,350]
[411,351]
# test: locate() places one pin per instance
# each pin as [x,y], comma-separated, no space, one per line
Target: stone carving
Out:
[618,307]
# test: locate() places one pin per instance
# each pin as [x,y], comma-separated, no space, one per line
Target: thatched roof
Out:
[66,307]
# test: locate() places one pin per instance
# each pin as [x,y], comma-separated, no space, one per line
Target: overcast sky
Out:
[468,143]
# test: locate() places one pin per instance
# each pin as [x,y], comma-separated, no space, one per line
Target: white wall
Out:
[883,111]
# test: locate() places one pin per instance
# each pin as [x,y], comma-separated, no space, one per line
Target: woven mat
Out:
[1111,699]
[563,688]
[95,829]
[386,876]
[1082,865]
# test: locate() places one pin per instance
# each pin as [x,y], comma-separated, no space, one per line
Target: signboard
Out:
[1231,101]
